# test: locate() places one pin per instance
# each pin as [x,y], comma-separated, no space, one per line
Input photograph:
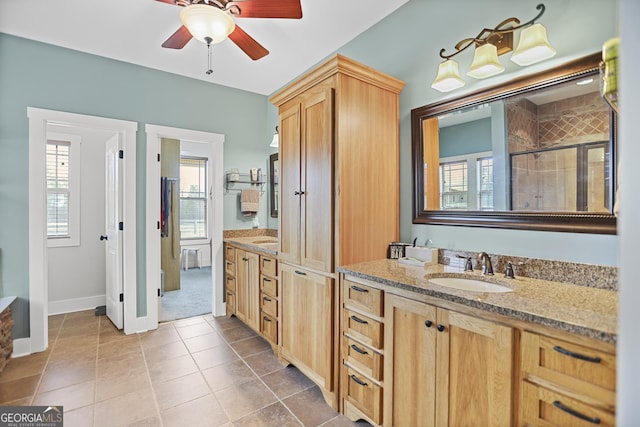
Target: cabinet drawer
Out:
[582,369]
[269,305]
[363,328]
[364,395]
[543,407]
[230,283]
[269,286]
[229,253]
[363,297]
[230,267]
[269,327]
[268,266]
[231,303]
[363,358]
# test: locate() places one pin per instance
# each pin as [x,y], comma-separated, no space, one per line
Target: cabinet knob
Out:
[428,323]
[440,328]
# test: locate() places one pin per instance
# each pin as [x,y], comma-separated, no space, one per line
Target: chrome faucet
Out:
[485,260]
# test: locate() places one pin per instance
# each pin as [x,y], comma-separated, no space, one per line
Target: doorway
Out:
[125,133]
[212,143]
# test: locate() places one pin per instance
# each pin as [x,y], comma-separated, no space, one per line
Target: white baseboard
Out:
[21,347]
[76,304]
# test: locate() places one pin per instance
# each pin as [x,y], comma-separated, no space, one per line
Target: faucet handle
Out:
[508,273]
[468,265]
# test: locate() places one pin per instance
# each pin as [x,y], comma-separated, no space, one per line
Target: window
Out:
[63,190]
[485,184]
[193,198]
[454,185]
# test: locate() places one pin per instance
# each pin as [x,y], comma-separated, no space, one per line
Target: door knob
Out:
[103,237]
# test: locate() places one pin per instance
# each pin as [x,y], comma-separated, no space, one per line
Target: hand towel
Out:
[249,202]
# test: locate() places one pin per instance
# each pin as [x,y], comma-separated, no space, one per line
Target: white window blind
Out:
[485,184]
[193,198]
[58,191]
[454,185]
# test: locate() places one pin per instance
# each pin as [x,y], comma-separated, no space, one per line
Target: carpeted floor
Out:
[193,298]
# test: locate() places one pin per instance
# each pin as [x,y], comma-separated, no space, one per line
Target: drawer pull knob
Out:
[359,289]
[266,299]
[358,349]
[440,328]
[577,355]
[359,320]
[266,260]
[575,413]
[359,381]
[428,323]
[264,279]
[302,273]
[266,319]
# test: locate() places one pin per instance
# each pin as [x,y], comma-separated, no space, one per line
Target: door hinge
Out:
[158,156]
[121,297]
[121,226]
[158,291]
[158,225]
[121,154]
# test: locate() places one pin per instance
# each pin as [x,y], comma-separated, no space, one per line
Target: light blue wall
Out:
[44,76]
[406,45]
[466,138]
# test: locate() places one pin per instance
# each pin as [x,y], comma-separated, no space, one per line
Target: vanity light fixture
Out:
[275,141]
[533,47]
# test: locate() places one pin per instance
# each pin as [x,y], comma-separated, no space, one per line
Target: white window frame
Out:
[190,240]
[472,174]
[75,148]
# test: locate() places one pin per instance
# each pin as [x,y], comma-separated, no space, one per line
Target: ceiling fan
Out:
[211,21]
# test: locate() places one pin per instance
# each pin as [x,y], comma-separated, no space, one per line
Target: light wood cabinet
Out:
[339,196]
[307,323]
[230,278]
[566,383]
[445,368]
[247,290]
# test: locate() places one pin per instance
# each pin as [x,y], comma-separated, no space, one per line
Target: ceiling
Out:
[133,30]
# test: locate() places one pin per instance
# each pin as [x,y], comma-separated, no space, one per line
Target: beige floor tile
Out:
[127,344]
[166,370]
[79,320]
[196,330]
[310,407]
[113,386]
[79,330]
[272,415]
[251,346]
[188,321]
[228,374]
[20,402]
[81,417]
[71,397]
[214,356]
[202,412]
[55,321]
[264,363]
[203,342]
[180,390]
[126,409]
[19,389]
[165,352]
[288,381]
[26,366]
[237,333]
[147,422]
[342,421]
[223,322]
[63,375]
[164,335]
[121,365]
[240,400]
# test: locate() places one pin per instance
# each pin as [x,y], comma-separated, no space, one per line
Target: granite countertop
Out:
[581,310]
[263,244]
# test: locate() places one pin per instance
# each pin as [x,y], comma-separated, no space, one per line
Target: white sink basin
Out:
[469,284]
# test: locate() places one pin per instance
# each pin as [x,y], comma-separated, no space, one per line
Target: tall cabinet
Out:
[339,199]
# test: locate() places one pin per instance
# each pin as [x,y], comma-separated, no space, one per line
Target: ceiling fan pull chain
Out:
[208,40]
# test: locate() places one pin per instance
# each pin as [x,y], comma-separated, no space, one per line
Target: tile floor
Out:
[201,371]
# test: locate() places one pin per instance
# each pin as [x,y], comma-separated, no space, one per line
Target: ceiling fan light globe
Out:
[204,21]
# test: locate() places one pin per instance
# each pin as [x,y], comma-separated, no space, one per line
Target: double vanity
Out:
[409,344]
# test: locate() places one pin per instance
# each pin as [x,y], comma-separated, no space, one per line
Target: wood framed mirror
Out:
[535,153]
[274,171]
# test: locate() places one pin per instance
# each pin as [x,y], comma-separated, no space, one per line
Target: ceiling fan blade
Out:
[290,9]
[248,44]
[178,39]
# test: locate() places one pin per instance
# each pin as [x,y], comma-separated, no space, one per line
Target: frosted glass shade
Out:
[275,141]
[533,46]
[448,77]
[485,62]
[204,21]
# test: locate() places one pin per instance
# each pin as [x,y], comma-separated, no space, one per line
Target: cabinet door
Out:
[289,185]
[474,371]
[410,362]
[307,319]
[253,290]
[316,227]
[241,284]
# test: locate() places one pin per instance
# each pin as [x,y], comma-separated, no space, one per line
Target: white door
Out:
[114,236]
